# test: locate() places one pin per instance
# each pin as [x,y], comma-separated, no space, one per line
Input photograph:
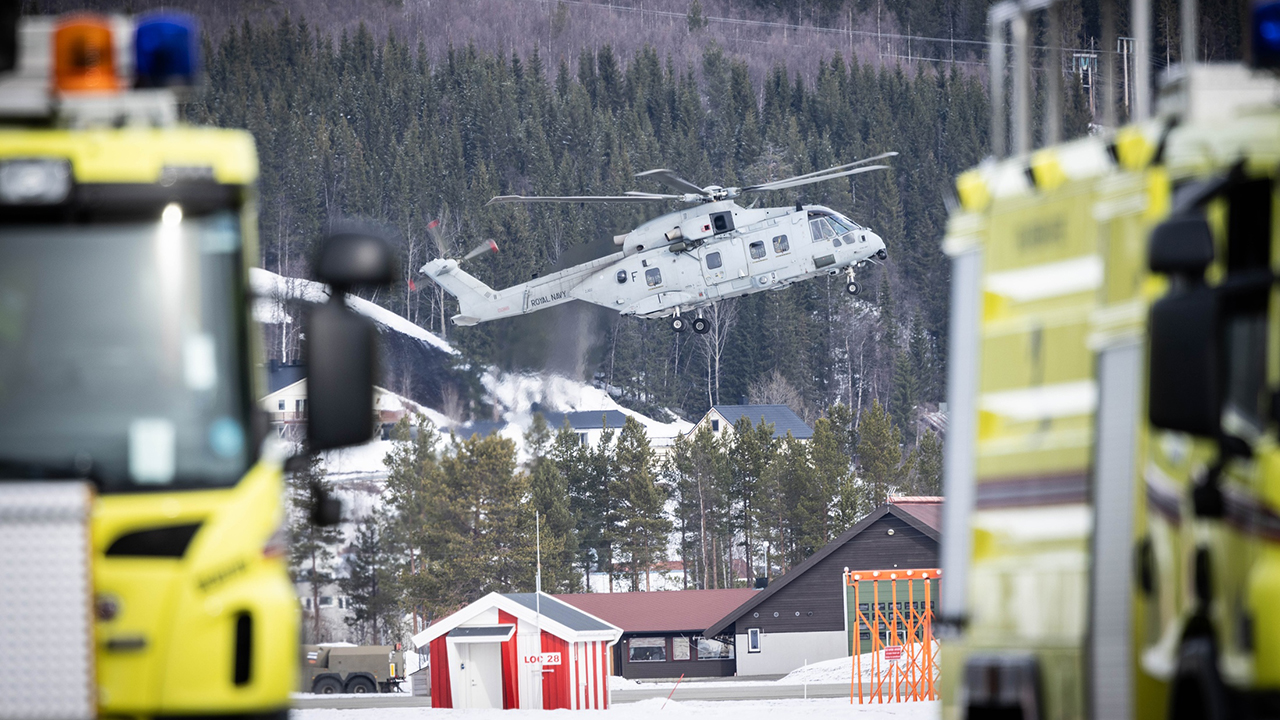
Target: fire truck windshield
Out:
[122,353]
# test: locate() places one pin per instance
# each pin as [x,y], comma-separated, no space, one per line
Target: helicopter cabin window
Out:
[653,277]
[781,245]
[714,261]
[757,250]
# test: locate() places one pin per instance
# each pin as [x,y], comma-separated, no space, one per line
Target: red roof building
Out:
[663,633]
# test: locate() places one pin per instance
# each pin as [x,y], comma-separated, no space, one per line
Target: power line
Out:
[792,27]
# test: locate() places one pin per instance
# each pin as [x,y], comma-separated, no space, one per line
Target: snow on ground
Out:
[831,671]
[269,285]
[824,708]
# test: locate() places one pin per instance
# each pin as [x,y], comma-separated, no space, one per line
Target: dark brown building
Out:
[802,616]
[664,633]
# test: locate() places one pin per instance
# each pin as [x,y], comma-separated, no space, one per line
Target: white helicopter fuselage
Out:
[682,261]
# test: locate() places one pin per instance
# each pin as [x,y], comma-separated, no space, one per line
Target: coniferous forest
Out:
[371,127]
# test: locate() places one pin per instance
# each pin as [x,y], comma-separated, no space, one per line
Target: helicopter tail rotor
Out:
[488,246]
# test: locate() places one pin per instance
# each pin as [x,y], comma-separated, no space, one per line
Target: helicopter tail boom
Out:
[477,302]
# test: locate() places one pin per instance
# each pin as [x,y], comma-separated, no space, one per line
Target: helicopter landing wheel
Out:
[701,326]
[853,288]
[882,254]
[679,324]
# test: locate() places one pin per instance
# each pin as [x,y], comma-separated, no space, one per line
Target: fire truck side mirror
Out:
[1184,390]
[342,344]
[340,371]
[349,259]
[1181,246]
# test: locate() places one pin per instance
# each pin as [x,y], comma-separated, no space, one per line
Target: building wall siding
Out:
[814,601]
[780,653]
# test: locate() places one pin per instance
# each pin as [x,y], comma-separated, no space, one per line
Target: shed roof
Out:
[899,510]
[562,612]
[670,611]
[552,615]
[782,418]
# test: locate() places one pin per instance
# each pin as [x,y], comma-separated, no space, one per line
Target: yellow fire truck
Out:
[1112,478]
[141,510]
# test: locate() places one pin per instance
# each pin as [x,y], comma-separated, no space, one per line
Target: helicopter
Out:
[676,264]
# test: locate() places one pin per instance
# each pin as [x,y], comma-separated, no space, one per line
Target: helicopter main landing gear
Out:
[701,325]
[679,324]
[853,288]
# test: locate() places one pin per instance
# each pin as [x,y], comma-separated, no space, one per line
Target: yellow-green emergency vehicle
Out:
[1112,537]
[142,568]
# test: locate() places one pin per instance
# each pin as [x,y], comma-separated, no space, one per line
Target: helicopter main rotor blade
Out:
[797,182]
[672,180]
[837,168]
[509,199]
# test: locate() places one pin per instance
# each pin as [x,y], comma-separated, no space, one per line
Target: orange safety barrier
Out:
[903,660]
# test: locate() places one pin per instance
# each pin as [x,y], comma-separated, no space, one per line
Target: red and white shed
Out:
[520,650]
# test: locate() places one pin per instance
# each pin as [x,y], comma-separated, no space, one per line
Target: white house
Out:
[287,409]
[721,418]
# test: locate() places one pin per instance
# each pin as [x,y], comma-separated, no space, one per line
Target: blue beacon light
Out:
[165,52]
[1266,35]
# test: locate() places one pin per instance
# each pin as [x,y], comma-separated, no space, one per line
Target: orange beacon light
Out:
[83,55]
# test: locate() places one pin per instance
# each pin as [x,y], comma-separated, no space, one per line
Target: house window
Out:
[715,426]
[680,648]
[582,438]
[280,406]
[326,601]
[300,405]
[653,277]
[713,260]
[714,649]
[306,603]
[757,250]
[647,650]
[781,245]
[753,640]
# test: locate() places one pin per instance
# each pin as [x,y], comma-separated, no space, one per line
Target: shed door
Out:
[481,673]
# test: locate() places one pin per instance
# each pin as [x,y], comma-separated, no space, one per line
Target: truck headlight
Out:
[34,181]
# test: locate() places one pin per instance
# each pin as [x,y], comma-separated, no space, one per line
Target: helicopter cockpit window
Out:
[821,229]
[843,225]
[714,261]
[757,250]
[781,245]
[653,277]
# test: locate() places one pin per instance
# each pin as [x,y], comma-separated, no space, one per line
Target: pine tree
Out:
[640,528]
[550,497]
[879,454]
[311,549]
[369,583]
[750,448]
[831,469]
[927,477]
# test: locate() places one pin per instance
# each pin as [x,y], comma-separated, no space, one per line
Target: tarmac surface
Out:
[720,689]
